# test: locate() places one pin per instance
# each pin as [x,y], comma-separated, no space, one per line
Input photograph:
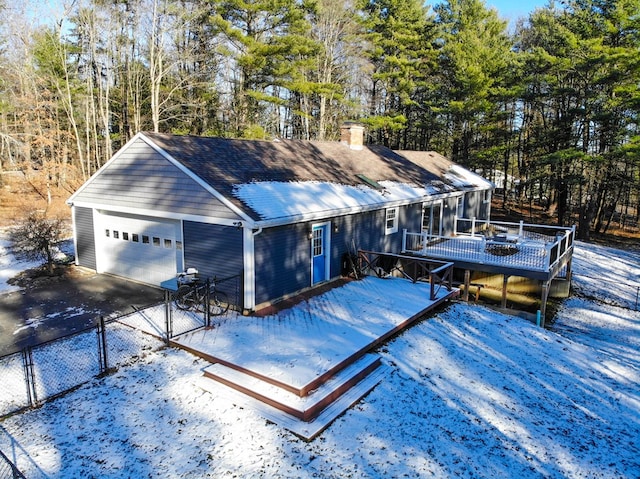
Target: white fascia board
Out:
[197,179]
[166,214]
[71,199]
[321,215]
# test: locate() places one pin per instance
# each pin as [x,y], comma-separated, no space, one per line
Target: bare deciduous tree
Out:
[37,236]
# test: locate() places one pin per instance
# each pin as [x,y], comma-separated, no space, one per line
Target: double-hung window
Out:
[391,221]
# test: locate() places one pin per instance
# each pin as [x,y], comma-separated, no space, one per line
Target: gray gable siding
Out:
[85,238]
[140,177]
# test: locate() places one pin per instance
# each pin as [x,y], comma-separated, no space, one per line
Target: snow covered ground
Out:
[471,393]
[11,265]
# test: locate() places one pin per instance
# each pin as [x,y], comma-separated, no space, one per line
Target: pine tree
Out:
[399,36]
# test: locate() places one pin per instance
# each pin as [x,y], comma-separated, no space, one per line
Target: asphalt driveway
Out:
[62,306]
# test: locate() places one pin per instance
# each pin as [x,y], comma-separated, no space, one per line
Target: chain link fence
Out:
[42,372]
[207,304]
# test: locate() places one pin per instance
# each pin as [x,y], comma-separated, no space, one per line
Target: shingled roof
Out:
[247,172]
[223,162]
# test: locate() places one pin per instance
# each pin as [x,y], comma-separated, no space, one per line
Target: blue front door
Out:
[319,254]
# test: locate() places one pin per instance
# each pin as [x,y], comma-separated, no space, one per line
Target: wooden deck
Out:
[537,252]
[537,257]
[301,367]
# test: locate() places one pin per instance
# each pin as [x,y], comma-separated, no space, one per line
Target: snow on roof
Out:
[463,178]
[272,199]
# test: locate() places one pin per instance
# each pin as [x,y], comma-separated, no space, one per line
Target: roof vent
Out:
[352,135]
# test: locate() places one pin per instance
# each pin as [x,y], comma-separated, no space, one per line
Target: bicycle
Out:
[192,294]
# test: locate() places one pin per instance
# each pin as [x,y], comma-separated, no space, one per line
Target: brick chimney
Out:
[352,135]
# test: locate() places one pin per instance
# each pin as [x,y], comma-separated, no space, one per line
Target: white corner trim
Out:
[249,267]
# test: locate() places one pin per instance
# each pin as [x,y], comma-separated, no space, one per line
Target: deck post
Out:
[473,226]
[505,279]
[467,280]
[543,302]
[521,229]
[568,274]
[404,240]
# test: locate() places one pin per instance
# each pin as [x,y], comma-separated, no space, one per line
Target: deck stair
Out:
[321,406]
[304,366]
[305,406]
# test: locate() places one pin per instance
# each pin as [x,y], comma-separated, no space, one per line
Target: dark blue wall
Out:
[85,238]
[474,207]
[283,254]
[214,250]
[282,261]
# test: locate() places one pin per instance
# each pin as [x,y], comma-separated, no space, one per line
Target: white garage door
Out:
[141,248]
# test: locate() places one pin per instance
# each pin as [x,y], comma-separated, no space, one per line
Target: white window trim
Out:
[394,228]
[326,250]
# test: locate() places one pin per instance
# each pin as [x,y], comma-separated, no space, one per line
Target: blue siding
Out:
[282,261]
[85,238]
[213,249]
[283,254]
[475,207]
[449,206]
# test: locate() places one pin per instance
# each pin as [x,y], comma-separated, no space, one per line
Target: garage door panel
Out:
[140,248]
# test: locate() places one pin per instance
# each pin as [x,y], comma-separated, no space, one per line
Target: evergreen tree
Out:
[399,34]
[268,41]
[475,57]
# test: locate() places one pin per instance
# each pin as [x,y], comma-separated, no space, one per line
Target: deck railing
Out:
[438,273]
[517,245]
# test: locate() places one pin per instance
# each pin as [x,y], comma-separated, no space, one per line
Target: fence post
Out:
[547,255]
[102,345]
[207,302]
[27,364]
[168,320]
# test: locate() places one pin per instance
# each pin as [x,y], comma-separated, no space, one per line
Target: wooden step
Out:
[305,408]
[306,430]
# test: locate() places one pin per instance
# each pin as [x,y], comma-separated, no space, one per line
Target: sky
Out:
[514,9]
[509,10]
